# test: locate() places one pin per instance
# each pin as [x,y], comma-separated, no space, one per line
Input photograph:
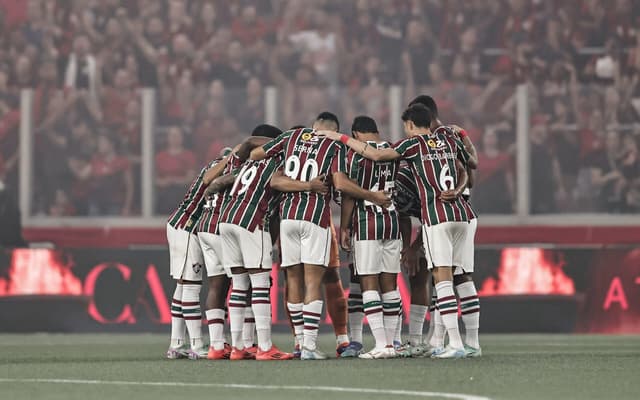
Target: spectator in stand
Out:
[251,112]
[117,98]
[249,28]
[175,168]
[547,186]
[208,132]
[81,69]
[615,173]
[417,55]
[345,54]
[390,27]
[322,45]
[11,232]
[110,181]
[495,190]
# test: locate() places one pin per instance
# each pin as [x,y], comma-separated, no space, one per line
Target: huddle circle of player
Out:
[276,188]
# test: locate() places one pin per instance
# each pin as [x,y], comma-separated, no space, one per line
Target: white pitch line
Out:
[408,393]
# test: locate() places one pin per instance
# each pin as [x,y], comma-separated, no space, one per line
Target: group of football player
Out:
[275,190]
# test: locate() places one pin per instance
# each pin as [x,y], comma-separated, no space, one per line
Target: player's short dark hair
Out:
[329,116]
[266,130]
[297,127]
[428,102]
[418,114]
[363,123]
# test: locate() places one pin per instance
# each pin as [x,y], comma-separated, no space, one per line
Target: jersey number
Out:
[211,202]
[292,169]
[446,180]
[246,176]
[388,187]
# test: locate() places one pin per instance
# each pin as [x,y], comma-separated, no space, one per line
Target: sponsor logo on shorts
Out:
[197,267]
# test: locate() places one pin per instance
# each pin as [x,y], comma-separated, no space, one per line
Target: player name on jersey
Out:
[371,222]
[432,159]
[306,156]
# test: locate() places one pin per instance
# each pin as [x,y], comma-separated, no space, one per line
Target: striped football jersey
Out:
[251,199]
[406,195]
[307,156]
[211,213]
[432,159]
[371,222]
[188,212]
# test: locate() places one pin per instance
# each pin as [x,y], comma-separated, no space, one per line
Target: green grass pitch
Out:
[113,366]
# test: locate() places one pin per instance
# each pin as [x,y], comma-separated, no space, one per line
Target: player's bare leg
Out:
[215,314]
[178,347]
[418,309]
[448,308]
[470,310]
[356,315]
[334,295]
[312,311]
[295,302]
[336,306]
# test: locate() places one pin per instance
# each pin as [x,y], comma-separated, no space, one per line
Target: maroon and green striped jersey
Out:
[307,156]
[211,213]
[432,159]
[371,222]
[251,199]
[188,212]
[406,195]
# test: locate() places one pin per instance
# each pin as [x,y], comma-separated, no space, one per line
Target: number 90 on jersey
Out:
[293,170]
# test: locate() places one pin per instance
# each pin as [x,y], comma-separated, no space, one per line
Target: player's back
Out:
[191,206]
[372,222]
[210,217]
[307,156]
[250,198]
[406,197]
[432,159]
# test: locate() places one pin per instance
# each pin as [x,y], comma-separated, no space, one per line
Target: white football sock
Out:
[261,304]
[432,316]
[192,313]
[311,314]
[417,312]
[215,322]
[295,314]
[237,304]
[391,308]
[374,311]
[249,327]
[398,334]
[470,310]
[448,308]
[177,319]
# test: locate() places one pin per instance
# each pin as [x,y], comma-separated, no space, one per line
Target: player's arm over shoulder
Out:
[362,148]
[270,148]
[468,159]
[406,148]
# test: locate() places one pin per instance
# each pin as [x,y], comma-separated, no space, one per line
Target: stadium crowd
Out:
[210,61]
